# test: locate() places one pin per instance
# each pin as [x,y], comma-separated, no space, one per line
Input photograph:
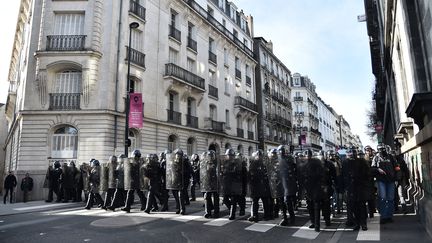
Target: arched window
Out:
[227,146]
[240,148]
[65,143]
[172,142]
[250,150]
[191,146]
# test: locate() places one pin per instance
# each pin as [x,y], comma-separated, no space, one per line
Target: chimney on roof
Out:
[269,45]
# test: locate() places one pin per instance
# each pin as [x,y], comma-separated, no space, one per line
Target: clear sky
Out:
[318,38]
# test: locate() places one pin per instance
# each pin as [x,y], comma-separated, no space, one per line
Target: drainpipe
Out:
[117,73]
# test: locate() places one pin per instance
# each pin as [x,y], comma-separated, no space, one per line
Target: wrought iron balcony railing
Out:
[174,117]
[240,101]
[191,43]
[64,101]
[191,121]
[184,75]
[213,91]
[136,57]
[174,33]
[214,126]
[65,42]
[237,73]
[298,98]
[212,57]
[137,9]
[240,133]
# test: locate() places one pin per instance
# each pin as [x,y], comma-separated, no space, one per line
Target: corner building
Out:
[191,60]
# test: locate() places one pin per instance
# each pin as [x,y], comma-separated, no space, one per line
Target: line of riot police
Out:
[277,178]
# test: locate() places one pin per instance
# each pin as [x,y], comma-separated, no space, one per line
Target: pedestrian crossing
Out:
[298,231]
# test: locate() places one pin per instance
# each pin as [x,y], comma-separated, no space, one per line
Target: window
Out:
[173,56]
[249,125]
[239,122]
[213,112]
[68,82]
[191,66]
[136,40]
[226,85]
[233,13]
[240,148]
[212,78]
[172,142]
[210,11]
[64,142]
[237,63]
[250,151]
[68,24]
[190,146]
[134,85]
[227,146]
[173,101]
[227,118]
[191,106]
[225,56]
[191,30]
[211,45]
[173,18]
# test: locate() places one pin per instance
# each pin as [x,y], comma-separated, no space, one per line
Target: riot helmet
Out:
[381,149]
[136,153]
[113,158]
[283,149]
[57,164]
[230,152]
[308,153]
[94,163]
[272,153]
[72,164]
[194,157]
[257,154]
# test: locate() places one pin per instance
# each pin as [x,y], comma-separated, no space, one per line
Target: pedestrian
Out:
[385,168]
[26,186]
[9,184]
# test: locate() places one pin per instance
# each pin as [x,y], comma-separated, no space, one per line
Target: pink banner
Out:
[135,110]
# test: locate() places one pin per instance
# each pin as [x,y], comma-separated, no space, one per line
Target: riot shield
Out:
[257,177]
[275,178]
[144,180]
[103,187]
[208,172]
[127,168]
[111,174]
[231,176]
[174,172]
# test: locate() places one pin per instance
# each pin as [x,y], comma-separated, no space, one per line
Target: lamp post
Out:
[127,142]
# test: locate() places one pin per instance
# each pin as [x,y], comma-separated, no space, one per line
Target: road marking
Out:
[373,232]
[337,235]
[306,233]
[42,206]
[260,227]
[25,223]
[219,222]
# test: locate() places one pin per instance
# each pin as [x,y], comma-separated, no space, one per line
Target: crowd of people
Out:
[329,182]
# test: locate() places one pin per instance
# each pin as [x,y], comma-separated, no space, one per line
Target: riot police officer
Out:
[258,184]
[329,183]
[315,185]
[94,181]
[132,181]
[195,174]
[175,178]
[52,180]
[119,194]
[153,172]
[288,175]
[108,174]
[164,192]
[209,183]
[187,175]
[356,172]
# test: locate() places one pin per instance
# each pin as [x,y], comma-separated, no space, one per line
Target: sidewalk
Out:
[33,206]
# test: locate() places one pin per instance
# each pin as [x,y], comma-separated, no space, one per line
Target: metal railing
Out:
[65,42]
[137,9]
[214,126]
[136,57]
[64,101]
[240,133]
[201,11]
[190,78]
[238,100]
[174,117]
[251,135]
[298,98]
[213,91]
[212,57]
[191,121]
[301,113]
[174,33]
[61,160]
[237,73]
[191,43]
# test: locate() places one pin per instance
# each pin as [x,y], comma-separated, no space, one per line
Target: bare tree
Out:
[372,120]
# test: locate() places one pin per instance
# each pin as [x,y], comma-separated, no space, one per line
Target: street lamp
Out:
[127,142]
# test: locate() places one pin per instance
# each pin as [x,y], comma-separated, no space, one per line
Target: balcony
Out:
[201,11]
[214,126]
[191,121]
[240,133]
[316,131]
[316,146]
[268,115]
[65,42]
[251,135]
[242,102]
[184,76]
[298,98]
[174,33]
[212,57]
[301,113]
[248,81]
[213,91]
[174,117]
[238,73]
[191,43]
[136,57]
[137,9]
[64,101]
[266,91]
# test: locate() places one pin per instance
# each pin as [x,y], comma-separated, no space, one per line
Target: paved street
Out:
[42,222]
